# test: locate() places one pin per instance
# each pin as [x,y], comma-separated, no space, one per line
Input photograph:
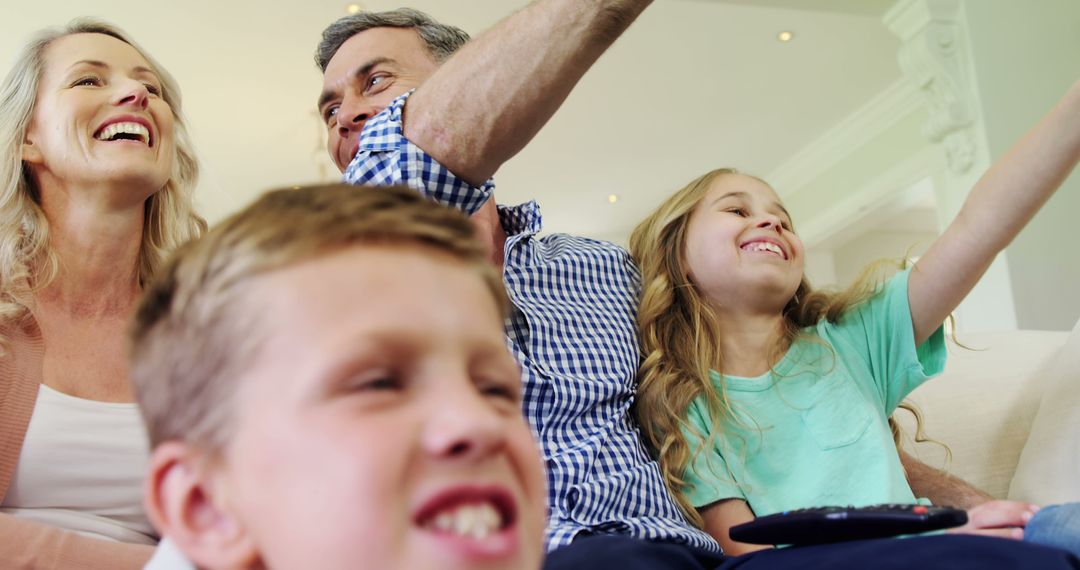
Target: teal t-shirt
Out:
[815,431]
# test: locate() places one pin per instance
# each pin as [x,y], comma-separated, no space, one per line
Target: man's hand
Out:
[986,516]
[1003,519]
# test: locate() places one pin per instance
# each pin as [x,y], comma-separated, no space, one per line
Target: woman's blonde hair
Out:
[680,335]
[27,262]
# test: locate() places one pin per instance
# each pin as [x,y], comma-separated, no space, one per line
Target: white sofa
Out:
[990,399]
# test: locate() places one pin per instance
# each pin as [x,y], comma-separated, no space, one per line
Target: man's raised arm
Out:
[491,98]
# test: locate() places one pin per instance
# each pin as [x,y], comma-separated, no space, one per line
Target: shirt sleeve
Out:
[385,157]
[881,332]
[708,478]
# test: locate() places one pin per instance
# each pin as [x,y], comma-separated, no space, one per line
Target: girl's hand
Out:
[1003,519]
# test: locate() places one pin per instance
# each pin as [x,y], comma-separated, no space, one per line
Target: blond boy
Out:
[326,384]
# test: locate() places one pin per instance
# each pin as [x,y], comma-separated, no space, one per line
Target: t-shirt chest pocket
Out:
[839,415]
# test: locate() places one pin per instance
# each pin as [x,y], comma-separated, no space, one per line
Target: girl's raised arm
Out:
[998,207]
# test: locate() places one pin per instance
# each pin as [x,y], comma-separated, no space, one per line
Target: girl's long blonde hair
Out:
[27,261]
[680,335]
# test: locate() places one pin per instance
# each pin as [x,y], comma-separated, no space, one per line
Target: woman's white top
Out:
[82,468]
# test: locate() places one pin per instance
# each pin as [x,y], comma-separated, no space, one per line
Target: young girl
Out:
[761,395]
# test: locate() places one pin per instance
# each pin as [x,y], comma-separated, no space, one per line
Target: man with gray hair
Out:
[399,110]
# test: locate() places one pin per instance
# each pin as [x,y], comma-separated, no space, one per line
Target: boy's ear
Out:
[180,501]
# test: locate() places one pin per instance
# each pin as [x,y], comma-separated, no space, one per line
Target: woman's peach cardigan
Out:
[26,544]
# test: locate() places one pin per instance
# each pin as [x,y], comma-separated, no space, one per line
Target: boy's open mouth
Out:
[468,513]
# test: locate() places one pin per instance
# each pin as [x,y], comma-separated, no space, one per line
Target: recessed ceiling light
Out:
[352,8]
[785,36]
[612,198]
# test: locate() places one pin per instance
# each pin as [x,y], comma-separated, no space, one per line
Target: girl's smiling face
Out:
[740,245]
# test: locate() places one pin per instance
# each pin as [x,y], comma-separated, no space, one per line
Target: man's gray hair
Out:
[441,40]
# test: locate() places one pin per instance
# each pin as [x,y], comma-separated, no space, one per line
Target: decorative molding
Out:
[886,188]
[936,58]
[856,130]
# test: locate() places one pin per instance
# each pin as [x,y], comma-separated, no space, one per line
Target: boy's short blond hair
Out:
[195,331]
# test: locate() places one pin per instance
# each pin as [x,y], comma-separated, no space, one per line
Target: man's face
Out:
[380,425]
[369,70]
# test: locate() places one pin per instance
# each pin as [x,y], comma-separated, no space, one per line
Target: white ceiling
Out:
[858,7]
[694,84]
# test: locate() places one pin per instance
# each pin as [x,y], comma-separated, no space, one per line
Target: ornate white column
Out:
[936,56]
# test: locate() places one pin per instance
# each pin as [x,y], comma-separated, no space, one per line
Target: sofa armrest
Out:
[1049,468]
[983,405]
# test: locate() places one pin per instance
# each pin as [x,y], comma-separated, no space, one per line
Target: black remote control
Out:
[836,524]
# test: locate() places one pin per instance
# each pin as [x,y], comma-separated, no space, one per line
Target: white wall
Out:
[852,257]
[1022,56]
[1026,55]
[820,268]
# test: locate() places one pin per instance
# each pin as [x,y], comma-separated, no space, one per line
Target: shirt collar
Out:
[521,219]
[383,131]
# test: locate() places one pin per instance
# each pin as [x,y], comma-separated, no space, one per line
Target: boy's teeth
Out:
[476,521]
[445,521]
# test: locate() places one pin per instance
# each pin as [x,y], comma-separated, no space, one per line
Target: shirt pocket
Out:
[840,415]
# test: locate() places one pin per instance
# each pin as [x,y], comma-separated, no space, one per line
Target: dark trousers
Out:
[947,552]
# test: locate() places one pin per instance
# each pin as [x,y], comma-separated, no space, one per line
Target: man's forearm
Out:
[940,487]
[491,98]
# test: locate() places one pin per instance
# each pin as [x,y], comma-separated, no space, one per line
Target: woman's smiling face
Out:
[99,117]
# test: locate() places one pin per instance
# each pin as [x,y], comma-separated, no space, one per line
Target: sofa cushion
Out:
[1049,468]
[983,404]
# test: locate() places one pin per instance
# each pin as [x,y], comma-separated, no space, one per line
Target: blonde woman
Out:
[761,395]
[96,176]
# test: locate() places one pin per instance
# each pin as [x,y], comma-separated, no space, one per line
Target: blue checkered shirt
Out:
[573,331]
